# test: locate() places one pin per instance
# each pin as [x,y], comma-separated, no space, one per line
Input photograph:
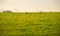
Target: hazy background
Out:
[30,5]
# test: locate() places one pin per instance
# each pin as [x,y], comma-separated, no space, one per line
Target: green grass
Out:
[31,24]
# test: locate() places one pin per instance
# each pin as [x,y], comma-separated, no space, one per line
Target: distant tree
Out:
[7,11]
[40,12]
[26,12]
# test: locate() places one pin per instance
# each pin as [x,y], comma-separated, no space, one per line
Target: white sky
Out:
[30,5]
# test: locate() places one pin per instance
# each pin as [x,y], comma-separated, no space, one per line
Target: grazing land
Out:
[30,24]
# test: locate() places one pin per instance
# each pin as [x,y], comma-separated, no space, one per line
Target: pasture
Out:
[30,24]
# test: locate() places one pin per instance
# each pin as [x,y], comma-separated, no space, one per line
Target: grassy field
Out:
[30,24]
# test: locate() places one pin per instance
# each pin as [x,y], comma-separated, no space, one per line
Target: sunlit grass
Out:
[30,24]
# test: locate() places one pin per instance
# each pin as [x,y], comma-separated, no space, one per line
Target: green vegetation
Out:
[30,24]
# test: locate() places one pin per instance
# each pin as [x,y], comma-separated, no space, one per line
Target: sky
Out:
[30,5]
